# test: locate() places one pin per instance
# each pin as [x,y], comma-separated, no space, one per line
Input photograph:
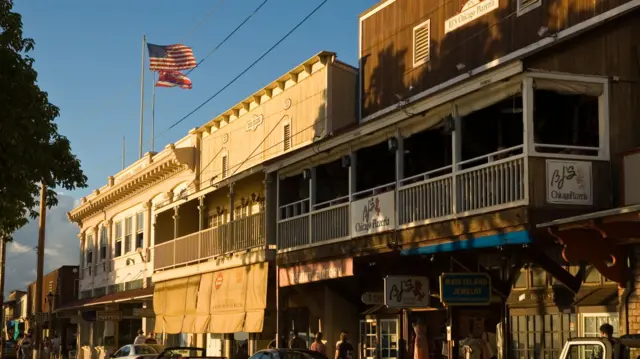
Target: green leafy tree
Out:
[31,149]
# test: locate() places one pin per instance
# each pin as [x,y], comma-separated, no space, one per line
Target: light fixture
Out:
[542,31]
[346,161]
[306,174]
[461,66]
[253,197]
[50,298]
[392,143]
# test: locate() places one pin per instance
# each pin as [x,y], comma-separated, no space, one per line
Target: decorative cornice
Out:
[158,168]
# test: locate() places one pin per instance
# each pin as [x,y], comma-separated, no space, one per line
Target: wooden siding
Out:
[387,36]
[612,51]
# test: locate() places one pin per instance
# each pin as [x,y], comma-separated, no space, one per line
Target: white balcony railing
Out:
[238,235]
[482,184]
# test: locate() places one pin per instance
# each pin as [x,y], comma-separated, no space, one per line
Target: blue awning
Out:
[494,240]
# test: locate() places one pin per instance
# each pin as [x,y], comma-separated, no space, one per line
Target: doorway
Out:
[379,338]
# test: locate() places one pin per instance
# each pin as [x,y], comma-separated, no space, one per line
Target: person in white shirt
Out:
[55,346]
[140,339]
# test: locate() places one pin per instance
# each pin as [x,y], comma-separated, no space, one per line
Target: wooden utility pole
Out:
[40,268]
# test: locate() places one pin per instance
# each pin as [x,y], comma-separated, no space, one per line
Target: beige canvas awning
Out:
[238,299]
[228,301]
[174,304]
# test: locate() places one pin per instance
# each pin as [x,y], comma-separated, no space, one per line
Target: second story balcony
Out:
[530,142]
[204,228]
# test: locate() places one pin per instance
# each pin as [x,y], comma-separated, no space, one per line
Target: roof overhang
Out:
[133,295]
[160,167]
[619,224]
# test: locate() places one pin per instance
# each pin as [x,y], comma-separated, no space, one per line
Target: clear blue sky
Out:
[88,57]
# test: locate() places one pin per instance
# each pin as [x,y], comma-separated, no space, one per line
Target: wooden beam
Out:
[281,85]
[555,269]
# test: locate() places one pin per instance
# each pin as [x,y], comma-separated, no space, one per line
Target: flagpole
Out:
[144,44]
[153,111]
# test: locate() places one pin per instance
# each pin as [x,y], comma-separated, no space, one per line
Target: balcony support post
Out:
[456,152]
[176,218]
[399,173]
[312,200]
[201,223]
[232,217]
[527,133]
[270,211]
[353,157]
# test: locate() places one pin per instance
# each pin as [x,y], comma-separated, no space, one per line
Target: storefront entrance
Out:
[379,338]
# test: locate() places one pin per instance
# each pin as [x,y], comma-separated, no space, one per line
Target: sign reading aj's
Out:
[406,291]
[569,182]
[465,289]
[373,214]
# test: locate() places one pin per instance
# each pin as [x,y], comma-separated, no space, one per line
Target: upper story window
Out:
[241,211]
[118,249]
[103,243]
[216,220]
[128,233]
[140,230]
[421,43]
[286,136]
[225,166]
[569,118]
[89,250]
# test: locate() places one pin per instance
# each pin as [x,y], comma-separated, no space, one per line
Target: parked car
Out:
[138,351]
[185,353]
[285,353]
[601,348]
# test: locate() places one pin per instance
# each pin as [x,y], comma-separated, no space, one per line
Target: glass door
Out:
[389,338]
[368,335]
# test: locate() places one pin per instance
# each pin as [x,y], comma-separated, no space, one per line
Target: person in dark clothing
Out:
[344,349]
[296,342]
[606,332]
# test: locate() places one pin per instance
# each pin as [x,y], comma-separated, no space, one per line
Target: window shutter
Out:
[287,137]
[225,167]
[421,43]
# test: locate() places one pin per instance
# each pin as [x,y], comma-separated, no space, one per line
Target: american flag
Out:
[173,79]
[170,57]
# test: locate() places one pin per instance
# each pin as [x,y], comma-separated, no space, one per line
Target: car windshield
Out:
[145,349]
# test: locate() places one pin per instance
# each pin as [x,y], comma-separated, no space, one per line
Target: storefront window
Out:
[389,338]
[591,323]
[533,335]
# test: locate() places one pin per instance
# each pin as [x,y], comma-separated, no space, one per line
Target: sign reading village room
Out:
[373,214]
[471,10]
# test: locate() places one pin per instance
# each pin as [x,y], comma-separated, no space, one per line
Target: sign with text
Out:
[465,289]
[406,291]
[373,298]
[472,10]
[373,214]
[314,272]
[108,316]
[569,182]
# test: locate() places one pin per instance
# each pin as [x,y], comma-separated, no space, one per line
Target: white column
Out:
[81,263]
[456,151]
[312,199]
[399,173]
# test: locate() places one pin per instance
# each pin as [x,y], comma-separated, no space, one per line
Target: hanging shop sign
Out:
[406,291]
[108,316]
[465,289]
[472,10]
[569,182]
[373,298]
[373,214]
[314,272]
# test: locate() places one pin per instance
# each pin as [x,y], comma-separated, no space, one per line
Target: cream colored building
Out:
[194,225]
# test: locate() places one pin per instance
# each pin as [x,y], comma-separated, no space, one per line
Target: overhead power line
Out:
[246,69]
